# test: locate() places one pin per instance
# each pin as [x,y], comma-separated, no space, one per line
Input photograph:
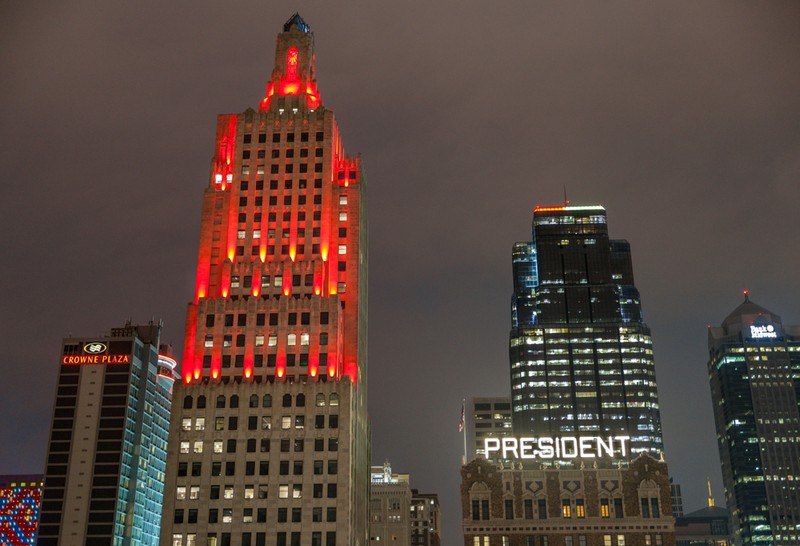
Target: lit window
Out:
[297,491]
[342,199]
[283,492]
[620,540]
[198,446]
[286,422]
[186,424]
[194,492]
[566,509]
[266,422]
[256,234]
[241,234]
[249,492]
[278,280]
[209,341]
[259,340]
[292,339]
[273,340]
[303,339]
[342,249]
[227,515]
[177,540]
[184,447]
[228,493]
[200,423]
[217,446]
[180,493]
[235,281]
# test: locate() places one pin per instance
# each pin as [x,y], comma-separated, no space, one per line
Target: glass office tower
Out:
[581,355]
[104,480]
[754,369]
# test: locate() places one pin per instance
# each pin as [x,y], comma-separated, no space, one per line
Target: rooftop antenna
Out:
[566,201]
[710,496]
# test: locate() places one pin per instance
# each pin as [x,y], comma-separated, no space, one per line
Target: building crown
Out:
[293,78]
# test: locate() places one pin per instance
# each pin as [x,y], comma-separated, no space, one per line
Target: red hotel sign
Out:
[96,352]
[96,359]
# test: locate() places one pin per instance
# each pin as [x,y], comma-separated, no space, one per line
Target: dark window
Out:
[235,401]
[201,402]
[262,138]
[509,509]
[233,422]
[197,468]
[231,445]
[187,402]
[183,469]
[221,401]
[263,468]
[209,321]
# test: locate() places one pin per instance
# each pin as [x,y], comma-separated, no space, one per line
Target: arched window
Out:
[253,400]
[235,401]
[201,401]
[266,402]
[334,399]
[287,400]
[187,402]
[320,400]
[300,402]
[221,401]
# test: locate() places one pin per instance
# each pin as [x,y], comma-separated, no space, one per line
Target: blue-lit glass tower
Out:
[104,480]
[581,356]
[754,370]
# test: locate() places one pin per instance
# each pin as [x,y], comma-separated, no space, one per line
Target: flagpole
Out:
[464,428]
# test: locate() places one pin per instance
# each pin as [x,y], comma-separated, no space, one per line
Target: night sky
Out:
[682,119]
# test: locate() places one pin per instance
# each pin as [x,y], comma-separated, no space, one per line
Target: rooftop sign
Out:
[565,447]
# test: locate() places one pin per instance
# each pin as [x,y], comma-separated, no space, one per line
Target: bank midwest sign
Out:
[564,447]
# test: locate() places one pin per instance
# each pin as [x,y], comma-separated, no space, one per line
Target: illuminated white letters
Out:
[761,332]
[567,447]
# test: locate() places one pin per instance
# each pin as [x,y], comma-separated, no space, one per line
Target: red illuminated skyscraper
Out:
[274,395]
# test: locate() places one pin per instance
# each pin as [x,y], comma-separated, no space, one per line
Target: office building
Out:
[426,519]
[581,355]
[269,442]
[20,496]
[486,417]
[567,507]
[104,478]
[677,498]
[705,527]
[390,507]
[754,370]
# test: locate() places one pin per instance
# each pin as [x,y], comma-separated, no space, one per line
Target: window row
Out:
[319,136]
[255,539]
[287,422]
[253,491]
[271,360]
[318,469]
[286,445]
[259,515]
[273,318]
[320,400]
[288,152]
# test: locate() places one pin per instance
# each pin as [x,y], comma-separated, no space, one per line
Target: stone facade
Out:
[576,507]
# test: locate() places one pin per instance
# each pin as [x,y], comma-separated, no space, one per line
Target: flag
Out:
[461,422]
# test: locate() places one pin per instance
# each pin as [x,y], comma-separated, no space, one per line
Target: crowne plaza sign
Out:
[564,447]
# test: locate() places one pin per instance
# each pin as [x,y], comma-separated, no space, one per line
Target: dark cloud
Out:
[680,118]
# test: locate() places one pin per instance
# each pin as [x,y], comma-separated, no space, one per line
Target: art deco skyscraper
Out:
[754,369]
[581,355]
[269,441]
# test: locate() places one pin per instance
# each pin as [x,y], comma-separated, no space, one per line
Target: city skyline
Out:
[687,138]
